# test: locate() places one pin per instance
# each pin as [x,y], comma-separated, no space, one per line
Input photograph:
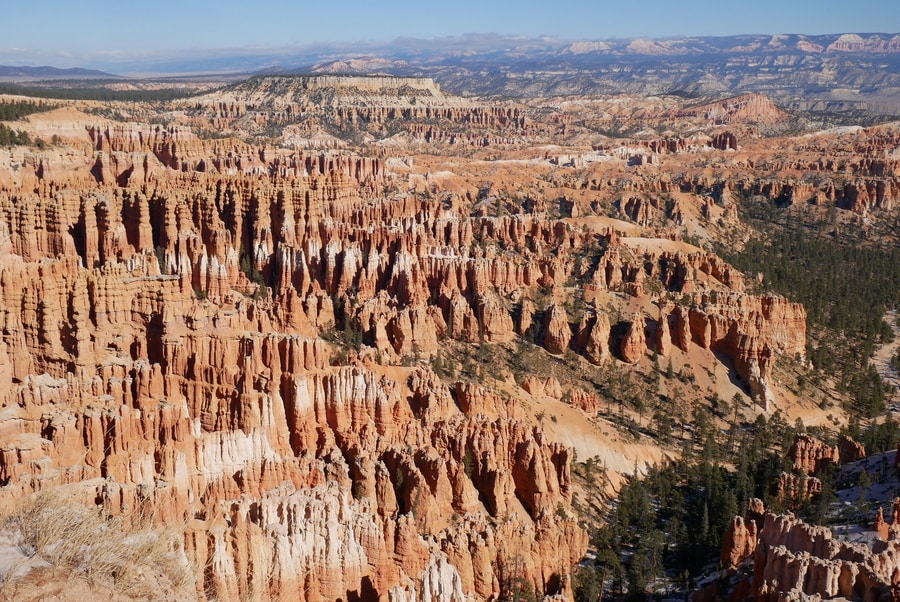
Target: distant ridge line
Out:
[47,71]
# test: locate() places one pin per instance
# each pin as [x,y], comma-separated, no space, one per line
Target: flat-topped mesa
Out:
[340,104]
[851,42]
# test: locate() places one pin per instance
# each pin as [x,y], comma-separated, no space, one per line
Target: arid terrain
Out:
[358,338]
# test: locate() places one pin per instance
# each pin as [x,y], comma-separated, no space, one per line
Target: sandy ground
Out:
[599,440]
[882,358]
[602,223]
[658,245]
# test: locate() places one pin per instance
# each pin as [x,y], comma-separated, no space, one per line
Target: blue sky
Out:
[94,32]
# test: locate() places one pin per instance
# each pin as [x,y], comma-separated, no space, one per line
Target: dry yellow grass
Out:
[136,563]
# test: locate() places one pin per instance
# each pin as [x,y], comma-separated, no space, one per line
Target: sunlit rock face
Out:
[162,306]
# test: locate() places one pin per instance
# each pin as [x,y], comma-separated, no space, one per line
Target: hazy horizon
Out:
[101,34]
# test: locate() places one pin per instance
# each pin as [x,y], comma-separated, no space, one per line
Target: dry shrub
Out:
[138,563]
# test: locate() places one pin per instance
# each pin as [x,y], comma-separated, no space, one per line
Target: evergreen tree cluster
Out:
[667,526]
[12,111]
[11,137]
[846,291]
[86,91]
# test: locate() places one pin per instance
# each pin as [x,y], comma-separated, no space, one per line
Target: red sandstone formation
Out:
[160,347]
[749,329]
[557,332]
[794,560]
[794,490]
[739,542]
[360,103]
[811,455]
[634,343]
[678,271]
[749,108]
[593,337]
[662,338]
[741,537]
[539,387]
[880,526]
[884,530]
[589,402]
[850,450]
[234,337]
[533,385]
[720,141]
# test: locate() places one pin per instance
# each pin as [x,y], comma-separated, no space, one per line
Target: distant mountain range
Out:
[472,48]
[854,74]
[31,73]
[849,73]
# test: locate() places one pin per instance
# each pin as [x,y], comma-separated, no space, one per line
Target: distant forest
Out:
[88,92]
[11,137]
[846,290]
[12,111]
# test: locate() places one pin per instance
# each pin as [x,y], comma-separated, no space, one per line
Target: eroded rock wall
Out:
[161,350]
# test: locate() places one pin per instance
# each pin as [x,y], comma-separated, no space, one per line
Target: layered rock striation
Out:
[161,351]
